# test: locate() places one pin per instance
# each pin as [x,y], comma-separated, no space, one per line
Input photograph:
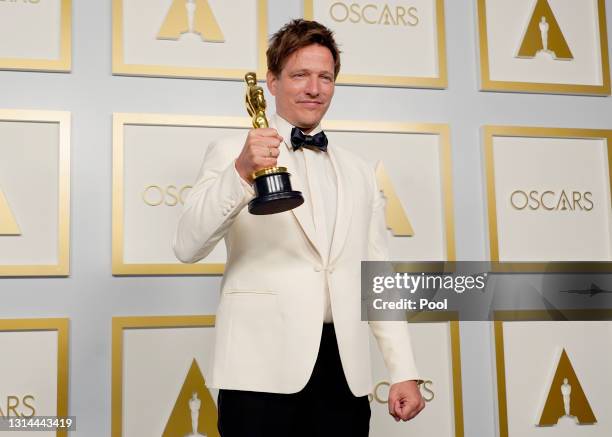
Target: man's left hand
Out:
[405,400]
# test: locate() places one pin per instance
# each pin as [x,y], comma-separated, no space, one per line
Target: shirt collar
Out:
[284,129]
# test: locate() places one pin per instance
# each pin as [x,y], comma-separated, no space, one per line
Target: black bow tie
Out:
[298,139]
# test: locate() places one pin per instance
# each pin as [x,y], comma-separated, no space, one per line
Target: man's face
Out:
[305,86]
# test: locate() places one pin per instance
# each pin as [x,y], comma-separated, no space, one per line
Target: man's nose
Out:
[312,86]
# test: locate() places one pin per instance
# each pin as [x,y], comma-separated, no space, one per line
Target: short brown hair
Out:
[298,34]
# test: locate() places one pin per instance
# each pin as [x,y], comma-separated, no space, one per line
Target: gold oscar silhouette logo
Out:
[543,36]
[194,413]
[8,224]
[191,16]
[395,215]
[566,401]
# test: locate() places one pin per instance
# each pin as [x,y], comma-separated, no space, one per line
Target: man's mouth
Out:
[310,103]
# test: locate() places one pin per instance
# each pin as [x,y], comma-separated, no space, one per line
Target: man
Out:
[282,367]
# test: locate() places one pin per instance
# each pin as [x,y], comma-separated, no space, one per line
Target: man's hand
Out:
[261,150]
[405,400]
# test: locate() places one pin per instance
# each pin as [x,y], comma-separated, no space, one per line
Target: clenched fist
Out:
[261,150]
[405,400]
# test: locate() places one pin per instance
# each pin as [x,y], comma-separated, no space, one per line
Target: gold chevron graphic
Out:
[542,30]
[180,421]
[554,408]
[176,22]
[395,215]
[8,224]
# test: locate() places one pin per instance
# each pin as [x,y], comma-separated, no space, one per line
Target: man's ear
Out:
[271,80]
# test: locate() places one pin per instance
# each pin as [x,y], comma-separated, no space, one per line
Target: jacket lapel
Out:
[303,213]
[344,207]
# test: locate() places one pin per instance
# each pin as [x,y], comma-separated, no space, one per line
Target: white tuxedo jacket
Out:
[270,316]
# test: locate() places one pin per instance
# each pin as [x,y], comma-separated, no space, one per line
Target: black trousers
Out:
[324,408]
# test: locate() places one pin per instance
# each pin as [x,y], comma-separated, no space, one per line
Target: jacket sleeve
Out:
[217,197]
[393,337]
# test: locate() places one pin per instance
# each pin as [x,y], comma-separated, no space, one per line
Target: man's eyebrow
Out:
[307,70]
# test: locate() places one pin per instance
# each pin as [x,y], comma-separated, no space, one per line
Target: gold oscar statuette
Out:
[273,192]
